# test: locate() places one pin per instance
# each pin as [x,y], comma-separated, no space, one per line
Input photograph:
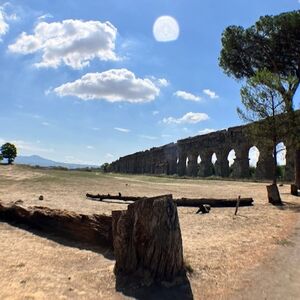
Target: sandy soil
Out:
[220,249]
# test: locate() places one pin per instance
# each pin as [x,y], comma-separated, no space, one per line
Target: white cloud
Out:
[112,85]
[45,16]
[109,155]
[155,112]
[45,124]
[3,24]
[125,130]
[187,96]
[163,82]
[27,148]
[71,42]
[210,94]
[189,118]
[206,130]
[90,147]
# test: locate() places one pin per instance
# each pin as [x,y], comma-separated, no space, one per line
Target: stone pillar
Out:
[192,168]
[222,164]
[265,164]
[241,163]
[290,164]
[206,166]
[172,166]
[181,167]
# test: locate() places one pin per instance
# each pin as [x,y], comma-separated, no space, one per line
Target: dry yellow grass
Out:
[219,247]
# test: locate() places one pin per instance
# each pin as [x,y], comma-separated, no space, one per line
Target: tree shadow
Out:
[132,288]
[295,207]
[103,247]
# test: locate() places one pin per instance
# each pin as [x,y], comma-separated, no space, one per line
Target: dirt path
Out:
[279,277]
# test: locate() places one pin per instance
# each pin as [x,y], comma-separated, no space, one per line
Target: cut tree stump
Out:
[294,190]
[147,242]
[273,194]
[91,229]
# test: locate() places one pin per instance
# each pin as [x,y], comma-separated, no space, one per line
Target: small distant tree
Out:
[264,107]
[104,167]
[9,151]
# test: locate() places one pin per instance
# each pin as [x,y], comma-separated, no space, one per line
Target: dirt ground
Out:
[219,249]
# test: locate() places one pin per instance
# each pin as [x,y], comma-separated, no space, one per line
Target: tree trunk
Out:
[147,242]
[297,168]
[275,162]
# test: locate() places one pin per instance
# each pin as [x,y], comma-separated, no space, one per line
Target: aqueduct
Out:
[183,157]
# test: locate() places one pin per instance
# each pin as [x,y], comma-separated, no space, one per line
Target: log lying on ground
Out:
[147,241]
[187,202]
[190,202]
[92,229]
[100,197]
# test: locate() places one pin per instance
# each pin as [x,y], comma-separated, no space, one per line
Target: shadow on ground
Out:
[295,207]
[102,248]
[155,292]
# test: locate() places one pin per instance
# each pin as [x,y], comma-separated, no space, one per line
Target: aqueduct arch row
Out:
[182,158]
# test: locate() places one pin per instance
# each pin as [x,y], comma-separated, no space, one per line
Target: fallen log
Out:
[186,202]
[100,197]
[92,229]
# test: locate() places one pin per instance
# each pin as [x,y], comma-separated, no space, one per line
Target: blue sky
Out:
[87,81]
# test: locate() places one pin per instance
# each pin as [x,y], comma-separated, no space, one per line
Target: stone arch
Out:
[187,160]
[214,158]
[253,155]
[231,157]
[281,153]
[199,159]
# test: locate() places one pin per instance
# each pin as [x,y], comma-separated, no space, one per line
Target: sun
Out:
[165,29]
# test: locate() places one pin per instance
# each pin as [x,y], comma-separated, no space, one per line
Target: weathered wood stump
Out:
[147,242]
[294,190]
[273,194]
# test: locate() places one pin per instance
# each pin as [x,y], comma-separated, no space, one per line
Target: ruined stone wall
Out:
[182,158]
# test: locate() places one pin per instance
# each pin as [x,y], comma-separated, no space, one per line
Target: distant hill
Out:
[35,160]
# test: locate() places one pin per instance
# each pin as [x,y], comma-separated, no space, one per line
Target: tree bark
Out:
[147,241]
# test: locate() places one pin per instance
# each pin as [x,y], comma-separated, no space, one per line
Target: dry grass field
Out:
[218,248]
